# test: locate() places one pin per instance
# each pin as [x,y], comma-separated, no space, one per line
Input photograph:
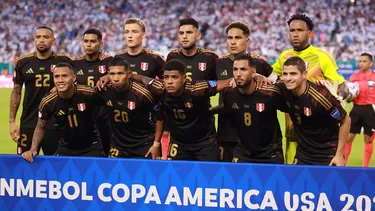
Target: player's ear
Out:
[247,41]
[304,74]
[101,44]
[199,35]
[184,77]
[309,34]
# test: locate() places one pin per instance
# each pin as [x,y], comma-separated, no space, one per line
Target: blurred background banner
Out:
[66,183]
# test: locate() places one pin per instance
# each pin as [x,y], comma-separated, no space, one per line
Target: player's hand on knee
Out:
[14,131]
[337,161]
[28,155]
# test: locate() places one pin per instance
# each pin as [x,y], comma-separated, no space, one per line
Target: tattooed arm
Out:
[15,100]
[37,141]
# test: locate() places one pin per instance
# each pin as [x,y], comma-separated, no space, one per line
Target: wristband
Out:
[156,144]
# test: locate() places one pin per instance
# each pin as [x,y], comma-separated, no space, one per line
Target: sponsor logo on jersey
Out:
[131,105]
[80,72]
[144,66]
[81,106]
[102,69]
[235,106]
[260,107]
[60,113]
[225,72]
[307,111]
[30,71]
[202,66]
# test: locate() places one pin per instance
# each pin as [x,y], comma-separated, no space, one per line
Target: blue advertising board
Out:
[66,183]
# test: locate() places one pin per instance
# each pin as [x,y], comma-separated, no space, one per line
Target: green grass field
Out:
[9,147]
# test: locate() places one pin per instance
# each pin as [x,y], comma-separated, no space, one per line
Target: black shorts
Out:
[95,150]
[226,151]
[134,152]
[104,127]
[49,143]
[302,161]
[363,116]
[273,156]
[207,151]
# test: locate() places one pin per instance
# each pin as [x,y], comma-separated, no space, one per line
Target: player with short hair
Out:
[141,60]
[315,113]
[88,69]
[237,42]
[255,115]
[320,65]
[186,104]
[35,71]
[131,109]
[363,111]
[73,108]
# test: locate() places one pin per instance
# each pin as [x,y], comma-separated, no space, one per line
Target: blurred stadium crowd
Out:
[345,28]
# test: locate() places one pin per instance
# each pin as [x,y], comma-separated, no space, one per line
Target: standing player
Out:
[73,108]
[130,108]
[35,71]
[142,61]
[320,65]
[88,69]
[200,63]
[193,134]
[255,115]
[363,112]
[237,42]
[315,113]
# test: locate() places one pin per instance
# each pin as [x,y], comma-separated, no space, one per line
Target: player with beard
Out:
[255,115]
[35,72]
[237,42]
[73,108]
[88,69]
[142,61]
[320,66]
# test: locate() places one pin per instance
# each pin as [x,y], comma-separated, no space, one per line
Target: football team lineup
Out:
[130,114]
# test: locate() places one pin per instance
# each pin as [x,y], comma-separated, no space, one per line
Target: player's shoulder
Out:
[78,58]
[83,89]
[319,94]
[152,53]
[198,85]
[207,52]
[142,91]
[321,53]
[24,58]
[224,58]
[62,56]
[270,90]
[229,91]
[47,99]
[121,53]
[175,52]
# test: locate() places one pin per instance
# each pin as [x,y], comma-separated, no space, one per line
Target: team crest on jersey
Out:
[307,111]
[53,67]
[307,64]
[144,66]
[81,106]
[260,107]
[102,69]
[188,104]
[202,66]
[131,105]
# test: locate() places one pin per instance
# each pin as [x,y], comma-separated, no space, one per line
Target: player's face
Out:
[364,63]
[43,40]
[63,78]
[118,76]
[299,34]
[292,77]
[242,73]
[188,36]
[237,42]
[91,44]
[173,81]
[134,35]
